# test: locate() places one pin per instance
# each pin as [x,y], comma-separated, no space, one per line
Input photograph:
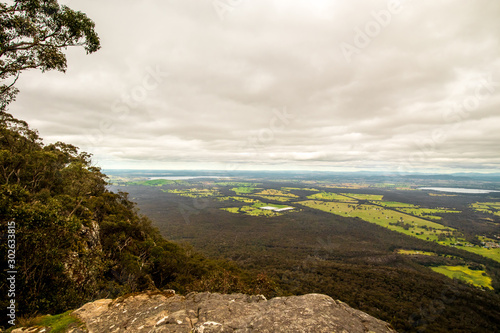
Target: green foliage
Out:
[33,34]
[77,241]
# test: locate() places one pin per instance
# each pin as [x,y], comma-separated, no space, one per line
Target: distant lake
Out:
[457,190]
[185,177]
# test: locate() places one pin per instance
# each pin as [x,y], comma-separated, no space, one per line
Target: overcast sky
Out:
[279,84]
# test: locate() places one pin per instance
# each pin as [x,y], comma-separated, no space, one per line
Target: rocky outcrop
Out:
[207,313]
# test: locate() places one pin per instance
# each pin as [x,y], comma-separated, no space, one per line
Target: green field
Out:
[370,197]
[488,253]
[395,204]
[275,198]
[287,189]
[415,252]
[244,190]
[276,195]
[194,192]
[487,207]
[252,211]
[403,223]
[381,216]
[255,209]
[262,204]
[330,196]
[242,199]
[272,192]
[477,278]
[427,212]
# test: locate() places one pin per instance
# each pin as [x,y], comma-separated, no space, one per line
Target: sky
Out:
[329,85]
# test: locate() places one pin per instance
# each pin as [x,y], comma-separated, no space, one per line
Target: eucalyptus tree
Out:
[34,34]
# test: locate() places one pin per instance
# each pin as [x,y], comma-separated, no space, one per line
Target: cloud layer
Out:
[325,85]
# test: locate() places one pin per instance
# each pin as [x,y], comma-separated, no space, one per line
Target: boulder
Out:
[212,312]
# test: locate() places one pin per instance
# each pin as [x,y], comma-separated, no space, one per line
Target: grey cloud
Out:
[219,83]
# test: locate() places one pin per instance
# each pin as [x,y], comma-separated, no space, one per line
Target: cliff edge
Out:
[207,313]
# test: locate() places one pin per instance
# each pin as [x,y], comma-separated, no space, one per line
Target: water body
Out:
[457,190]
[184,177]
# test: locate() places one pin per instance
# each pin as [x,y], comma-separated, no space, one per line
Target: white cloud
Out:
[219,83]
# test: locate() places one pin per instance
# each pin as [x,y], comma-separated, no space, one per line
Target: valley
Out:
[389,250]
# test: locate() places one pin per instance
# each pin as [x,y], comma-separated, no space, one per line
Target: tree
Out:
[33,34]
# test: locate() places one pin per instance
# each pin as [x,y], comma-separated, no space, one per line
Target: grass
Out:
[487,207]
[488,253]
[371,213]
[395,204]
[255,209]
[234,210]
[58,323]
[427,212]
[252,211]
[278,193]
[242,199]
[415,252]
[276,198]
[262,204]
[330,196]
[244,190]
[370,197]
[477,278]
[287,189]
[194,192]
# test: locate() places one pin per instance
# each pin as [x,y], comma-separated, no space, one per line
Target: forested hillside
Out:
[77,241]
[387,274]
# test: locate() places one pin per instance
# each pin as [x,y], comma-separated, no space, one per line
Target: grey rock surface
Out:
[207,313]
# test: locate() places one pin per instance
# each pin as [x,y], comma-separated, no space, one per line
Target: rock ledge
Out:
[207,313]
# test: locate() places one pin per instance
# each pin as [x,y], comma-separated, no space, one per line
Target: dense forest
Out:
[311,251]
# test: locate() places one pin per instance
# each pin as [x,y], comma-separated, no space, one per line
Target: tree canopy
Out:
[33,34]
